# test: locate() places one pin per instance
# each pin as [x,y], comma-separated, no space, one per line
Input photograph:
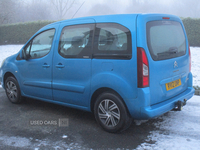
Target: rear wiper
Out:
[172,50]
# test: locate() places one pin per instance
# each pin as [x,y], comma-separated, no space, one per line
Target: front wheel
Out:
[12,90]
[111,113]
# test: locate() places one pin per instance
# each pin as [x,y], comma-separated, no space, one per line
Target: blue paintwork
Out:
[162,72]
[74,82]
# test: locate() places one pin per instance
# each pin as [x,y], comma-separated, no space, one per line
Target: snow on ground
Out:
[175,130]
[36,144]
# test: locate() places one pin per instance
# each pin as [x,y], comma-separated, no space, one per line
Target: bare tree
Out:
[62,7]
[39,10]
[6,11]
[33,10]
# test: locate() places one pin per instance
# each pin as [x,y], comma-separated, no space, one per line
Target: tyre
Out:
[111,113]
[12,90]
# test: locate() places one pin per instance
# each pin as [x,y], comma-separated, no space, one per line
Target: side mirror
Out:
[23,55]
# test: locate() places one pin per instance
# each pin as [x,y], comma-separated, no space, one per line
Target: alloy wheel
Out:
[109,113]
[11,90]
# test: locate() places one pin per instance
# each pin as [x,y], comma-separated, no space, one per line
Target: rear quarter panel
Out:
[119,75]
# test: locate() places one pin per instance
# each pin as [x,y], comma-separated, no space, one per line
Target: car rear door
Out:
[165,43]
[72,62]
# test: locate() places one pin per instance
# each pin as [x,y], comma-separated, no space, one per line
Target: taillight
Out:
[142,68]
[190,60]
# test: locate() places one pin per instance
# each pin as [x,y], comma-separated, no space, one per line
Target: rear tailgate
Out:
[164,39]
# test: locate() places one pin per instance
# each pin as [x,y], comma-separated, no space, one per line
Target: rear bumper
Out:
[163,107]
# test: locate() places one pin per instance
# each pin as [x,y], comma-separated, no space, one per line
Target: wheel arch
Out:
[99,92]
[10,77]
[6,75]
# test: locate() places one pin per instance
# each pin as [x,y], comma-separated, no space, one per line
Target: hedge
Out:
[192,27]
[20,33]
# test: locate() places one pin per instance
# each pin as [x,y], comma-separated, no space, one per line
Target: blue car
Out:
[120,67]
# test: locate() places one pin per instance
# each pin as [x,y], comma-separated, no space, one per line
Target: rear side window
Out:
[76,41]
[112,41]
[166,39]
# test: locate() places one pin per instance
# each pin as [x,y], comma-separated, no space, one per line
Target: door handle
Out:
[45,65]
[60,65]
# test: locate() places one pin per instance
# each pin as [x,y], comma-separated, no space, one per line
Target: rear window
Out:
[165,39]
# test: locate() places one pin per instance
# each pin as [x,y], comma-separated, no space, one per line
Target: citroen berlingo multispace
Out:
[118,66]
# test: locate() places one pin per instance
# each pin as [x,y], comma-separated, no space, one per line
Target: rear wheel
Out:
[111,113]
[12,90]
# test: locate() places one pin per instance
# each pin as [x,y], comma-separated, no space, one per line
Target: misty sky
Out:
[181,8]
[14,11]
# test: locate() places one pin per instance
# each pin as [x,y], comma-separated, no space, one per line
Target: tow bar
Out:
[179,105]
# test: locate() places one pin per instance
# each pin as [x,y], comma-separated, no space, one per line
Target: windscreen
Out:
[165,39]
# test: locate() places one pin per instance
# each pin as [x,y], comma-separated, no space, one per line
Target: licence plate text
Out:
[173,84]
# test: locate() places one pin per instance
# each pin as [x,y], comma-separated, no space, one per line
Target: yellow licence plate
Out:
[173,84]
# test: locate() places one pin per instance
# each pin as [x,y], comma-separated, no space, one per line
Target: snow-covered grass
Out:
[176,130]
[8,50]
[195,55]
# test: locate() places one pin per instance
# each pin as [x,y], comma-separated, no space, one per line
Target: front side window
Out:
[40,45]
[165,39]
[76,41]
[112,41]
